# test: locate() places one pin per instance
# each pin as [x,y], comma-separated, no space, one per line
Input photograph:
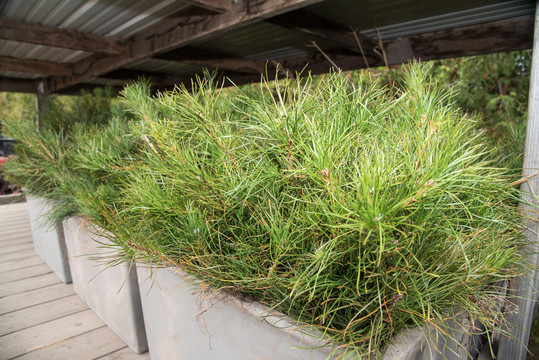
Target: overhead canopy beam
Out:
[52,36]
[155,78]
[17,85]
[35,66]
[182,33]
[218,6]
[319,27]
[503,35]
[209,59]
[244,66]
[76,89]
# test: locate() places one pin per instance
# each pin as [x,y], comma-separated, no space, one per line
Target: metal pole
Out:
[40,100]
[525,288]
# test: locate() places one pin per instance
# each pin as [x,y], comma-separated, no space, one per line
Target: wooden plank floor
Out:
[41,317]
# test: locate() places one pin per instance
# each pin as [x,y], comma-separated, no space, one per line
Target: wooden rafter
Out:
[214,60]
[52,36]
[319,27]
[182,33]
[156,79]
[502,35]
[34,66]
[243,66]
[76,89]
[218,6]
[17,85]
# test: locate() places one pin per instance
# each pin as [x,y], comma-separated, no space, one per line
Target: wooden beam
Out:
[76,89]
[503,35]
[523,291]
[35,66]
[322,28]
[156,79]
[233,64]
[209,59]
[9,84]
[152,42]
[218,6]
[52,36]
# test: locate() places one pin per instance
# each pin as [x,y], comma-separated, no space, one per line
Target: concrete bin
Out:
[111,292]
[49,241]
[184,320]
[431,344]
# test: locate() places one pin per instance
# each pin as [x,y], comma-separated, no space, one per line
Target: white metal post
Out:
[525,288]
[41,97]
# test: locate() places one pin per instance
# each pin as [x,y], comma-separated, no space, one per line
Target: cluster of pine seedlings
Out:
[76,156]
[362,211]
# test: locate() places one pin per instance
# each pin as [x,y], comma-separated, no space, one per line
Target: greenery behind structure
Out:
[75,155]
[495,88]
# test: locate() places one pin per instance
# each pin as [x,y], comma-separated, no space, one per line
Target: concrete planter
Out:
[49,241]
[183,322]
[111,292]
[431,344]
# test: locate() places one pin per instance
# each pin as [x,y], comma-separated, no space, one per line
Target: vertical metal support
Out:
[526,287]
[41,97]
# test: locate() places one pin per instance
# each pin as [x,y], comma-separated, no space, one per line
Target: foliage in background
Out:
[75,156]
[359,210]
[494,88]
[17,106]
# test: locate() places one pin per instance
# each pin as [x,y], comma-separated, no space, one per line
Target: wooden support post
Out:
[525,288]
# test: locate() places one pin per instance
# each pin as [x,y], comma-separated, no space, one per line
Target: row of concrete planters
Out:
[49,241]
[184,320]
[111,292]
[181,320]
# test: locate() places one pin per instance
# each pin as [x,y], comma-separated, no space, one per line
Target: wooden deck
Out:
[41,317]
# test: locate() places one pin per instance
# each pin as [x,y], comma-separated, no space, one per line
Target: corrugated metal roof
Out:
[260,41]
[483,14]
[40,52]
[119,19]
[268,37]
[367,14]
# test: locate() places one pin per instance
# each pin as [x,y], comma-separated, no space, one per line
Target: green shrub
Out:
[76,156]
[359,210]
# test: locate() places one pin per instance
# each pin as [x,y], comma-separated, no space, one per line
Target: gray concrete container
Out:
[111,292]
[185,320]
[48,239]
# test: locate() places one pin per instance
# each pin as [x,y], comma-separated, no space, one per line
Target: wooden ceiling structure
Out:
[62,46]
